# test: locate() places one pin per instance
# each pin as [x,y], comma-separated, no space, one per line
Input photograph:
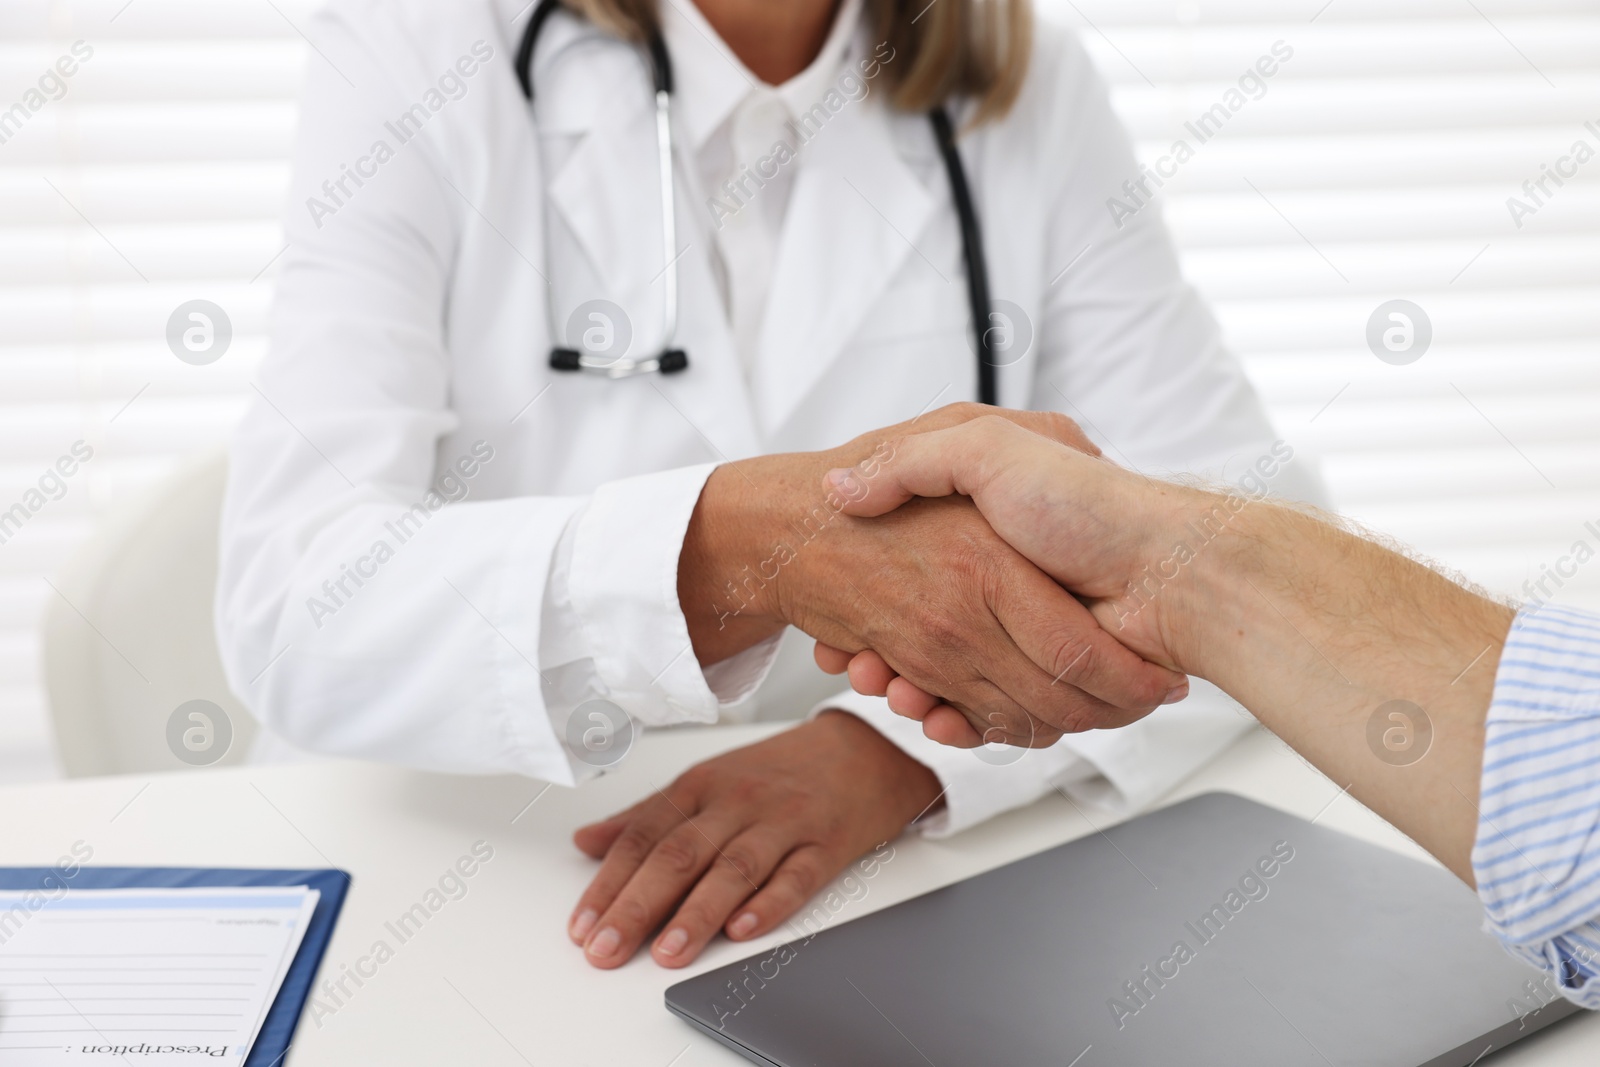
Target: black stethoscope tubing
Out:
[673,360]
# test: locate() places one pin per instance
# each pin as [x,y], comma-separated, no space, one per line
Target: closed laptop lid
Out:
[1215,931]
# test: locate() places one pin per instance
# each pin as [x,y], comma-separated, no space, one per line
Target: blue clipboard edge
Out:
[277,1029]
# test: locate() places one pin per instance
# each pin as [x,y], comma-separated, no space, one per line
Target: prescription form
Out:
[148,976]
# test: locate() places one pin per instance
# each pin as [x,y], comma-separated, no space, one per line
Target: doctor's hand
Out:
[739,842]
[1088,524]
[946,603]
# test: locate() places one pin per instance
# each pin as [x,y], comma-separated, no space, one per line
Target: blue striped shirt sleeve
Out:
[1537,854]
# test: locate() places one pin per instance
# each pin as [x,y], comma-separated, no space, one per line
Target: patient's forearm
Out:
[1335,644]
[1378,670]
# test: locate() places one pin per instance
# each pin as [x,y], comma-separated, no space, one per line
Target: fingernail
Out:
[839,478]
[672,942]
[744,925]
[582,923]
[605,943]
[1178,693]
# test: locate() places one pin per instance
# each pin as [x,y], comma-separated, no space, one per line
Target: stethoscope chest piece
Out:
[672,360]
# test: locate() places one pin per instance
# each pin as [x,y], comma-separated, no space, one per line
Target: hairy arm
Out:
[1378,670]
[1374,667]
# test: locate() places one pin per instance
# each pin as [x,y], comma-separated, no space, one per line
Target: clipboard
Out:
[277,1029]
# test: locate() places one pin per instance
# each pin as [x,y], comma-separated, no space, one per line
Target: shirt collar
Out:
[710,81]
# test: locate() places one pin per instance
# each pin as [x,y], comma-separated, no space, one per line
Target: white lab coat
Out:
[410,340]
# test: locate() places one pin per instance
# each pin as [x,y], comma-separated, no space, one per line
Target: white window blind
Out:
[1375,166]
[153,175]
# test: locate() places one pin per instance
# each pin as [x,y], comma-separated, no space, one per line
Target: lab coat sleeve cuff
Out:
[624,589]
[737,677]
[1140,763]
[1118,772]
[978,783]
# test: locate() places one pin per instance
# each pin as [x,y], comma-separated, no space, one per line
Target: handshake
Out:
[986,570]
[1110,636]
[995,577]
[1123,586]
[1336,644]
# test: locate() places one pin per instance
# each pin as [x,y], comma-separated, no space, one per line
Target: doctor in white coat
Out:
[440,551]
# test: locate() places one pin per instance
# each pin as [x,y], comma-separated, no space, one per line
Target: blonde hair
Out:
[942,48]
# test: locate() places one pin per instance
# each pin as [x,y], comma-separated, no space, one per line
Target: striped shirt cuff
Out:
[1537,854]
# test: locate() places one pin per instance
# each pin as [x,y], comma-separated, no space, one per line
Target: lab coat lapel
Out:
[712,393]
[608,195]
[856,211]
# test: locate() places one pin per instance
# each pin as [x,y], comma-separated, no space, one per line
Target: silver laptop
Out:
[1216,931]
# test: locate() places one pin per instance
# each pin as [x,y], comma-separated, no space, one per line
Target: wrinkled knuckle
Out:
[1071,659]
[1078,719]
[988,561]
[698,917]
[1068,709]
[677,855]
[973,567]
[943,632]
[634,843]
[1045,735]
[799,881]
[744,864]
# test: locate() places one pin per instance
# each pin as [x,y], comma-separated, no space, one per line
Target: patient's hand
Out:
[738,843]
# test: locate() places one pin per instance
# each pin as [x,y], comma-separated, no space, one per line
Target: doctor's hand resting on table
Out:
[1319,633]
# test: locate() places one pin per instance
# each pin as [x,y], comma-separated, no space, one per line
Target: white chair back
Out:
[128,639]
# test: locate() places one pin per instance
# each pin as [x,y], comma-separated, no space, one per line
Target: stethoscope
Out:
[672,360]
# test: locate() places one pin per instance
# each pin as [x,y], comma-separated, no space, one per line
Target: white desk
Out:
[491,978]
